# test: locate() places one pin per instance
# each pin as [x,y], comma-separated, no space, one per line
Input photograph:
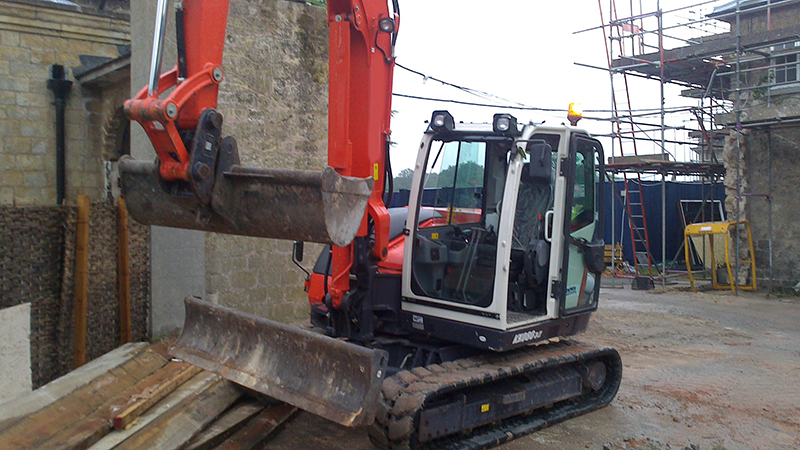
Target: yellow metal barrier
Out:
[613,258]
[711,229]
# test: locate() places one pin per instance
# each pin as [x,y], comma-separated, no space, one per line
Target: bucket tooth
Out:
[325,376]
[310,206]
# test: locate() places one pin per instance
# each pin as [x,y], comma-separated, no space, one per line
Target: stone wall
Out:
[274,99]
[772,167]
[733,157]
[33,36]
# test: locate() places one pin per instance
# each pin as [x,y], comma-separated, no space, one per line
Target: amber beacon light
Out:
[575,113]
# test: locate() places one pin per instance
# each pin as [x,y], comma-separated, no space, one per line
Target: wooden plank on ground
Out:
[93,427]
[224,427]
[151,397]
[197,384]
[259,429]
[123,272]
[31,402]
[177,426]
[34,429]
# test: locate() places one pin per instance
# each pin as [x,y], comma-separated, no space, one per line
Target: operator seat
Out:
[529,250]
[533,201]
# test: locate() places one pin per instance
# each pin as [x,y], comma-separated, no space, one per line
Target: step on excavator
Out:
[443,325]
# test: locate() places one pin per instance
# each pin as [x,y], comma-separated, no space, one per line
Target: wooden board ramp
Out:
[138,397]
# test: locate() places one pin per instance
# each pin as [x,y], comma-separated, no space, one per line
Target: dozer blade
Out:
[301,205]
[325,376]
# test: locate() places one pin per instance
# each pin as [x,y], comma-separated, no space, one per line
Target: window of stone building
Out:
[785,68]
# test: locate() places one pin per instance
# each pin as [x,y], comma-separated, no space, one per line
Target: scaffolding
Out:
[628,38]
[701,49]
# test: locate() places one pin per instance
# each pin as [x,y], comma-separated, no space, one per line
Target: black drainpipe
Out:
[60,86]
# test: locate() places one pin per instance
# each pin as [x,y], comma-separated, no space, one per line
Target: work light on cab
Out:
[442,120]
[505,124]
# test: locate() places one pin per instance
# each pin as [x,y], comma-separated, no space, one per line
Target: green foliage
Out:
[767,80]
[403,179]
[470,174]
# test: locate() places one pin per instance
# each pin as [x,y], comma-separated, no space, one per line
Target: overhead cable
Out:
[510,104]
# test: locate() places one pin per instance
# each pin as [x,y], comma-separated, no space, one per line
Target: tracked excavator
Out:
[445,324]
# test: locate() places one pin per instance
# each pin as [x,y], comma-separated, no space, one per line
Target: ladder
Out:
[625,126]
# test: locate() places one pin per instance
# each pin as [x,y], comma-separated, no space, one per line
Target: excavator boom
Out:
[197,182]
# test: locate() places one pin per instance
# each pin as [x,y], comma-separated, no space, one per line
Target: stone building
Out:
[755,99]
[64,72]
[81,50]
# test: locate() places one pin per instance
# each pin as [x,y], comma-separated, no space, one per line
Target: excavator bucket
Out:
[325,376]
[300,205]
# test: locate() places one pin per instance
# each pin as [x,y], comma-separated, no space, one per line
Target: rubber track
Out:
[405,394]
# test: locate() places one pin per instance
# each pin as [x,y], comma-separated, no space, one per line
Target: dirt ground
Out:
[702,371]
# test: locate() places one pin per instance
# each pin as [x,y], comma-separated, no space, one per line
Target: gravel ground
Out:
[702,371]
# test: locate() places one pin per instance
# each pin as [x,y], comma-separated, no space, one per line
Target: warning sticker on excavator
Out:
[485,408]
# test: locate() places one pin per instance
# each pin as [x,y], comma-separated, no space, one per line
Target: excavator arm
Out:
[198,183]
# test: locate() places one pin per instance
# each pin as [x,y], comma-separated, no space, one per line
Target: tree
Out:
[470,174]
[403,179]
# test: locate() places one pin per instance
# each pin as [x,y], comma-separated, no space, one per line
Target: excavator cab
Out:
[517,251]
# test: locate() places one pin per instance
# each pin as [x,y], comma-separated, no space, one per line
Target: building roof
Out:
[694,64]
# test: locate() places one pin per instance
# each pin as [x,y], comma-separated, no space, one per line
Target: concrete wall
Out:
[15,351]
[33,36]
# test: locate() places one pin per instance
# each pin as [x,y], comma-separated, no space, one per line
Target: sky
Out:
[519,50]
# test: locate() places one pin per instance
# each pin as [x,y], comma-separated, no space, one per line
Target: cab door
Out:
[583,259]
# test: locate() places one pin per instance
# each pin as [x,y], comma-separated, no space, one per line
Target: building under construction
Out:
[736,122]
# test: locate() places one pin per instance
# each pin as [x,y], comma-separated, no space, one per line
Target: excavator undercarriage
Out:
[486,400]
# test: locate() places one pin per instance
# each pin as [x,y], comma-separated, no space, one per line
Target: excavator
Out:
[446,324]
